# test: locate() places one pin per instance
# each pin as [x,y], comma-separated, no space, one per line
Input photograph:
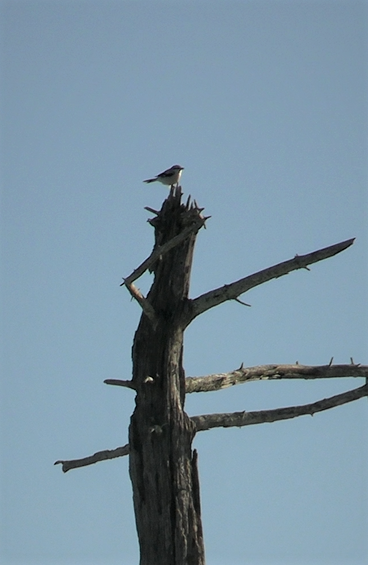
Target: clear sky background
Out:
[265,105]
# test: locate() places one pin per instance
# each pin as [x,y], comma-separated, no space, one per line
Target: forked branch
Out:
[235,289]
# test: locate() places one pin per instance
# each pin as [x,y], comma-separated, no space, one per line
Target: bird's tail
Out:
[150,180]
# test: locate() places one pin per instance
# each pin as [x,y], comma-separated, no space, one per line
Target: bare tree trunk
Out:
[162,467]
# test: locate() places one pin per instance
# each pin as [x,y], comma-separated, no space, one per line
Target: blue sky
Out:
[265,105]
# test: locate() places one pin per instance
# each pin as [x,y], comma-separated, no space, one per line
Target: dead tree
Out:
[162,464]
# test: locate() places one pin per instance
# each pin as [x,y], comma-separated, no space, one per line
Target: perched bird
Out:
[169,177]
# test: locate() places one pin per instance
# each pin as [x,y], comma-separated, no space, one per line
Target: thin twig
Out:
[241,302]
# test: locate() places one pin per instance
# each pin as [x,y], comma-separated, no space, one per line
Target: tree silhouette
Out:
[162,464]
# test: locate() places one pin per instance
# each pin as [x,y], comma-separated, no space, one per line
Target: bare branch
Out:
[118,382]
[219,381]
[143,302]
[162,249]
[95,458]
[235,289]
[239,419]
[272,372]
[233,419]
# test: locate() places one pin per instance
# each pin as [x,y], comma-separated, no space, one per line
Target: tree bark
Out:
[162,467]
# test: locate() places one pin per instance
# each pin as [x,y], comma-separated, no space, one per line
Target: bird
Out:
[169,177]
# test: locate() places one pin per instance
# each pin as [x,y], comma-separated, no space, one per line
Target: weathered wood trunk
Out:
[162,466]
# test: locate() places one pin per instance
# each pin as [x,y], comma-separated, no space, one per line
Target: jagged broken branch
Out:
[234,290]
[163,249]
[95,458]
[143,302]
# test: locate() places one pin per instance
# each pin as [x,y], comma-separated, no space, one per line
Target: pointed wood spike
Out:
[152,210]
